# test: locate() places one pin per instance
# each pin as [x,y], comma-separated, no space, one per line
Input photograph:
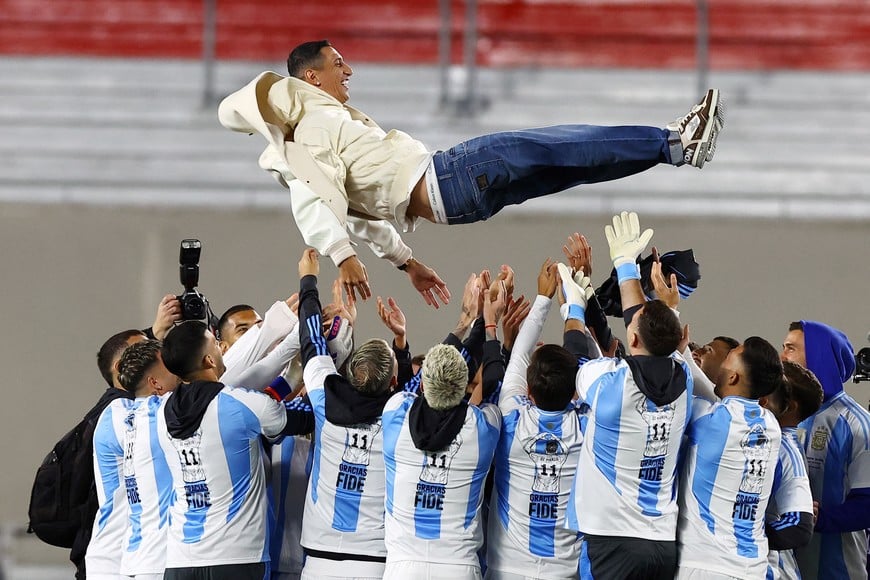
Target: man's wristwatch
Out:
[404,266]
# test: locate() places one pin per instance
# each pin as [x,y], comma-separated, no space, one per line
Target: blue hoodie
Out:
[829,355]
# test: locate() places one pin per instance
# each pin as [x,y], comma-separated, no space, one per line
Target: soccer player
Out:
[147,479]
[624,491]
[219,519]
[437,452]
[789,513]
[343,531]
[727,476]
[536,457]
[837,446]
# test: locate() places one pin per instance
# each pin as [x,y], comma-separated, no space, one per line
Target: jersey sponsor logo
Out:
[659,421]
[434,475]
[756,452]
[352,470]
[130,483]
[820,438]
[196,491]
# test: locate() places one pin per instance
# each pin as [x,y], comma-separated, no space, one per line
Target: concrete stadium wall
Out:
[73,275]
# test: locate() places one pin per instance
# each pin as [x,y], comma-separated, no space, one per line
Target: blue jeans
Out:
[479,177]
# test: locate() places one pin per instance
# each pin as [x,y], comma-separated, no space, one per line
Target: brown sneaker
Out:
[699,129]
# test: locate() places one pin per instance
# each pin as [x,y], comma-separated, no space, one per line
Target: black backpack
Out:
[64,496]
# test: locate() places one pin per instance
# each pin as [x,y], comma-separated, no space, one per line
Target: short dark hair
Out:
[763,367]
[551,377]
[183,348]
[796,326]
[732,342]
[804,388]
[111,349]
[659,328]
[135,362]
[225,317]
[306,55]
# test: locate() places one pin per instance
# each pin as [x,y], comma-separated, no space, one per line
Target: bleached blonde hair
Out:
[371,367]
[444,377]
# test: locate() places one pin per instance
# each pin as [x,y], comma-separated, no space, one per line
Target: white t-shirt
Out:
[433,499]
[730,460]
[220,513]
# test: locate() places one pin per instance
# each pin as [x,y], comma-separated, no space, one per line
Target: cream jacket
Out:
[345,174]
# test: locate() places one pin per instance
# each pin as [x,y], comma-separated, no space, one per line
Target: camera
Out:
[194,305]
[862,365]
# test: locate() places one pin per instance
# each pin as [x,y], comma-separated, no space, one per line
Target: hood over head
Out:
[829,355]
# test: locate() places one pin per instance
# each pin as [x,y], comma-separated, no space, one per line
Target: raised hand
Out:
[575,291]
[354,278]
[428,283]
[494,308]
[516,313]
[392,316]
[669,294]
[468,314]
[308,264]
[548,279]
[168,313]
[579,253]
[625,238]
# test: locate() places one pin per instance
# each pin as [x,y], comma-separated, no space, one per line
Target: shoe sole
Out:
[708,138]
[720,122]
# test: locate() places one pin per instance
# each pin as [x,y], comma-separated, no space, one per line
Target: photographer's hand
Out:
[168,313]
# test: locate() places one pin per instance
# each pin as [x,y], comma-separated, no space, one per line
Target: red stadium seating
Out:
[744,34]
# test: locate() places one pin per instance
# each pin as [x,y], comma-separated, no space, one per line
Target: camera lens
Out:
[194,308]
[862,360]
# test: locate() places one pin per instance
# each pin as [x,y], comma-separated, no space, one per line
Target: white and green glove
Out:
[576,291]
[626,244]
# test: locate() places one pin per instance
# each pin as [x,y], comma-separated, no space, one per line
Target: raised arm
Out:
[394,319]
[627,243]
[317,364]
[573,296]
[515,388]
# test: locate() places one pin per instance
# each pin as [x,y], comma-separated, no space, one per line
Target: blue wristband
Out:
[577,312]
[628,271]
[279,389]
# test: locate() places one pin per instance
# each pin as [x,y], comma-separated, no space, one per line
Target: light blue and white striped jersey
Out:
[730,460]
[433,498]
[105,549]
[288,473]
[837,446]
[344,506]
[535,463]
[790,495]
[627,472]
[149,492]
[221,511]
